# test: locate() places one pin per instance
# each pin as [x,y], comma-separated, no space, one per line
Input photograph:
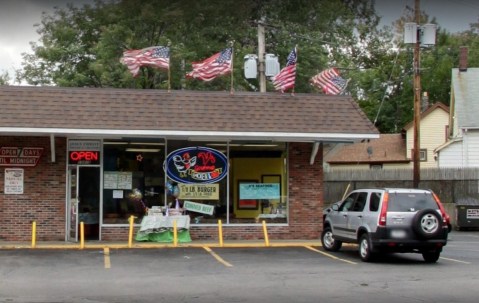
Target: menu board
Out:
[117,180]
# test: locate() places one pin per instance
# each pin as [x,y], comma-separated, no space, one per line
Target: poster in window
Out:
[245,187]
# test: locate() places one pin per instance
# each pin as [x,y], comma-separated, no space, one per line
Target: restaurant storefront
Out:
[104,178]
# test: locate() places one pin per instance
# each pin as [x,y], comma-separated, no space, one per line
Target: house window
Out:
[376,166]
[423,155]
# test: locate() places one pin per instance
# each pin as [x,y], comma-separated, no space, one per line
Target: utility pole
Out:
[417,100]
[261,50]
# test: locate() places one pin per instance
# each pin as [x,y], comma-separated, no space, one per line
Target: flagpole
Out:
[169,64]
[232,62]
[296,50]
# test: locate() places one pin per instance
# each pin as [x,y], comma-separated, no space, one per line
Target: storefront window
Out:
[237,183]
[133,179]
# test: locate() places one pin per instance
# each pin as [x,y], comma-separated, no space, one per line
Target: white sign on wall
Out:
[14,181]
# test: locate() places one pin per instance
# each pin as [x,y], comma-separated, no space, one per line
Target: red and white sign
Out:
[20,156]
[13,181]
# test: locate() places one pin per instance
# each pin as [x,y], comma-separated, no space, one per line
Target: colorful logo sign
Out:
[196,165]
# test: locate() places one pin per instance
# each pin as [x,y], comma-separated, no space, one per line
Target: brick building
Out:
[100,156]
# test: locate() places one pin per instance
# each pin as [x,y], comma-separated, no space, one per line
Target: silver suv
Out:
[388,220]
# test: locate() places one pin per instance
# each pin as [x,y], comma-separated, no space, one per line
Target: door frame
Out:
[73,177]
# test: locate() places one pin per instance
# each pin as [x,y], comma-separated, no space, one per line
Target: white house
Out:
[462,148]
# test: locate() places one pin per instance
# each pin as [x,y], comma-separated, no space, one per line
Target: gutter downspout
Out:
[52,147]
[314,152]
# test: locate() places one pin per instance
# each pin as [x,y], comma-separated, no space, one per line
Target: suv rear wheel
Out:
[365,248]
[431,256]
[328,241]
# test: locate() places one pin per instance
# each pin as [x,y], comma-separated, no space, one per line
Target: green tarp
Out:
[164,236]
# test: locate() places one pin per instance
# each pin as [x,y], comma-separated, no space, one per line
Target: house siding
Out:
[451,156]
[471,148]
[432,134]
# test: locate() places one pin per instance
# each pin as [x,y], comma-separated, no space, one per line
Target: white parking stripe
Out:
[329,255]
[454,260]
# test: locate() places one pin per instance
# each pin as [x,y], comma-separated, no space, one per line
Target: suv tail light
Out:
[445,216]
[384,210]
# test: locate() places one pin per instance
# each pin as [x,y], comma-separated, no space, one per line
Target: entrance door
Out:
[84,202]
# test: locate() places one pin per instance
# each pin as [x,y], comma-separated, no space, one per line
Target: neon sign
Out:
[84,157]
[196,165]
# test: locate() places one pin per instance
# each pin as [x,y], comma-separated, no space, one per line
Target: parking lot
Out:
[249,274]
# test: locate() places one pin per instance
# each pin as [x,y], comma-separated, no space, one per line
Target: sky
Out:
[17,19]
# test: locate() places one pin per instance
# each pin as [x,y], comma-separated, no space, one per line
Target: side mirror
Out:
[335,207]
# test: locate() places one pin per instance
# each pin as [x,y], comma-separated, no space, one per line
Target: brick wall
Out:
[43,200]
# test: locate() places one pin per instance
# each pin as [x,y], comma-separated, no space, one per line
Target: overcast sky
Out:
[17,19]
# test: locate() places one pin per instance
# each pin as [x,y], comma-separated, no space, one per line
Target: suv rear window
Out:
[403,202]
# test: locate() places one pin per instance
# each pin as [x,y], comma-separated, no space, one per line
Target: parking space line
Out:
[454,260]
[218,258]
[106,253]
[329,255]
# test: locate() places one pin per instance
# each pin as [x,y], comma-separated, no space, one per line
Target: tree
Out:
[4,78]
[82,46]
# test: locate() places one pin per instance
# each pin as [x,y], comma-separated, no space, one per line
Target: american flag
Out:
[330,81]
[216,65]
[287,76]
[155,56]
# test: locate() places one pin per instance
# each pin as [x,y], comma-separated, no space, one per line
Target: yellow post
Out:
[130,234]
[265,231]
[34,234]
[220,232]
[175,234]
[82,235]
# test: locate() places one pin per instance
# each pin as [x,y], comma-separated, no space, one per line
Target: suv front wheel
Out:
[328,241]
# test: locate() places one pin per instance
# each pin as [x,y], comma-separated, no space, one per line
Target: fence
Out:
[452,185]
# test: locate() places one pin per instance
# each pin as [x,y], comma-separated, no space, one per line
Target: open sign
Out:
[84,157]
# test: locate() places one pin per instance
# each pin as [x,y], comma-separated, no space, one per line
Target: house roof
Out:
[389,148]
[181,114]
[465,86]
[428,111]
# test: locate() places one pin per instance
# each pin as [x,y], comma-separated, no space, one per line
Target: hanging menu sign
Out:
[14,181]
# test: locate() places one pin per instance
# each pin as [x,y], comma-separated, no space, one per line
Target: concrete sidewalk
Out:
[139,245]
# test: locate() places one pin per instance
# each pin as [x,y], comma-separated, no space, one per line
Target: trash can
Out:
[467,213]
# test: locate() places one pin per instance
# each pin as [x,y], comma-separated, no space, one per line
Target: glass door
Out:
[72,204]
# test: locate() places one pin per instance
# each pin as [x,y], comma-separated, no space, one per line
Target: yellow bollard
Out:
[34,234]
[220,233]
[82,235]
[175,234]
[265,231]
[130,234]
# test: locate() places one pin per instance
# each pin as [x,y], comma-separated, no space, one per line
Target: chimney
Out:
[463,59]
[425,102]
